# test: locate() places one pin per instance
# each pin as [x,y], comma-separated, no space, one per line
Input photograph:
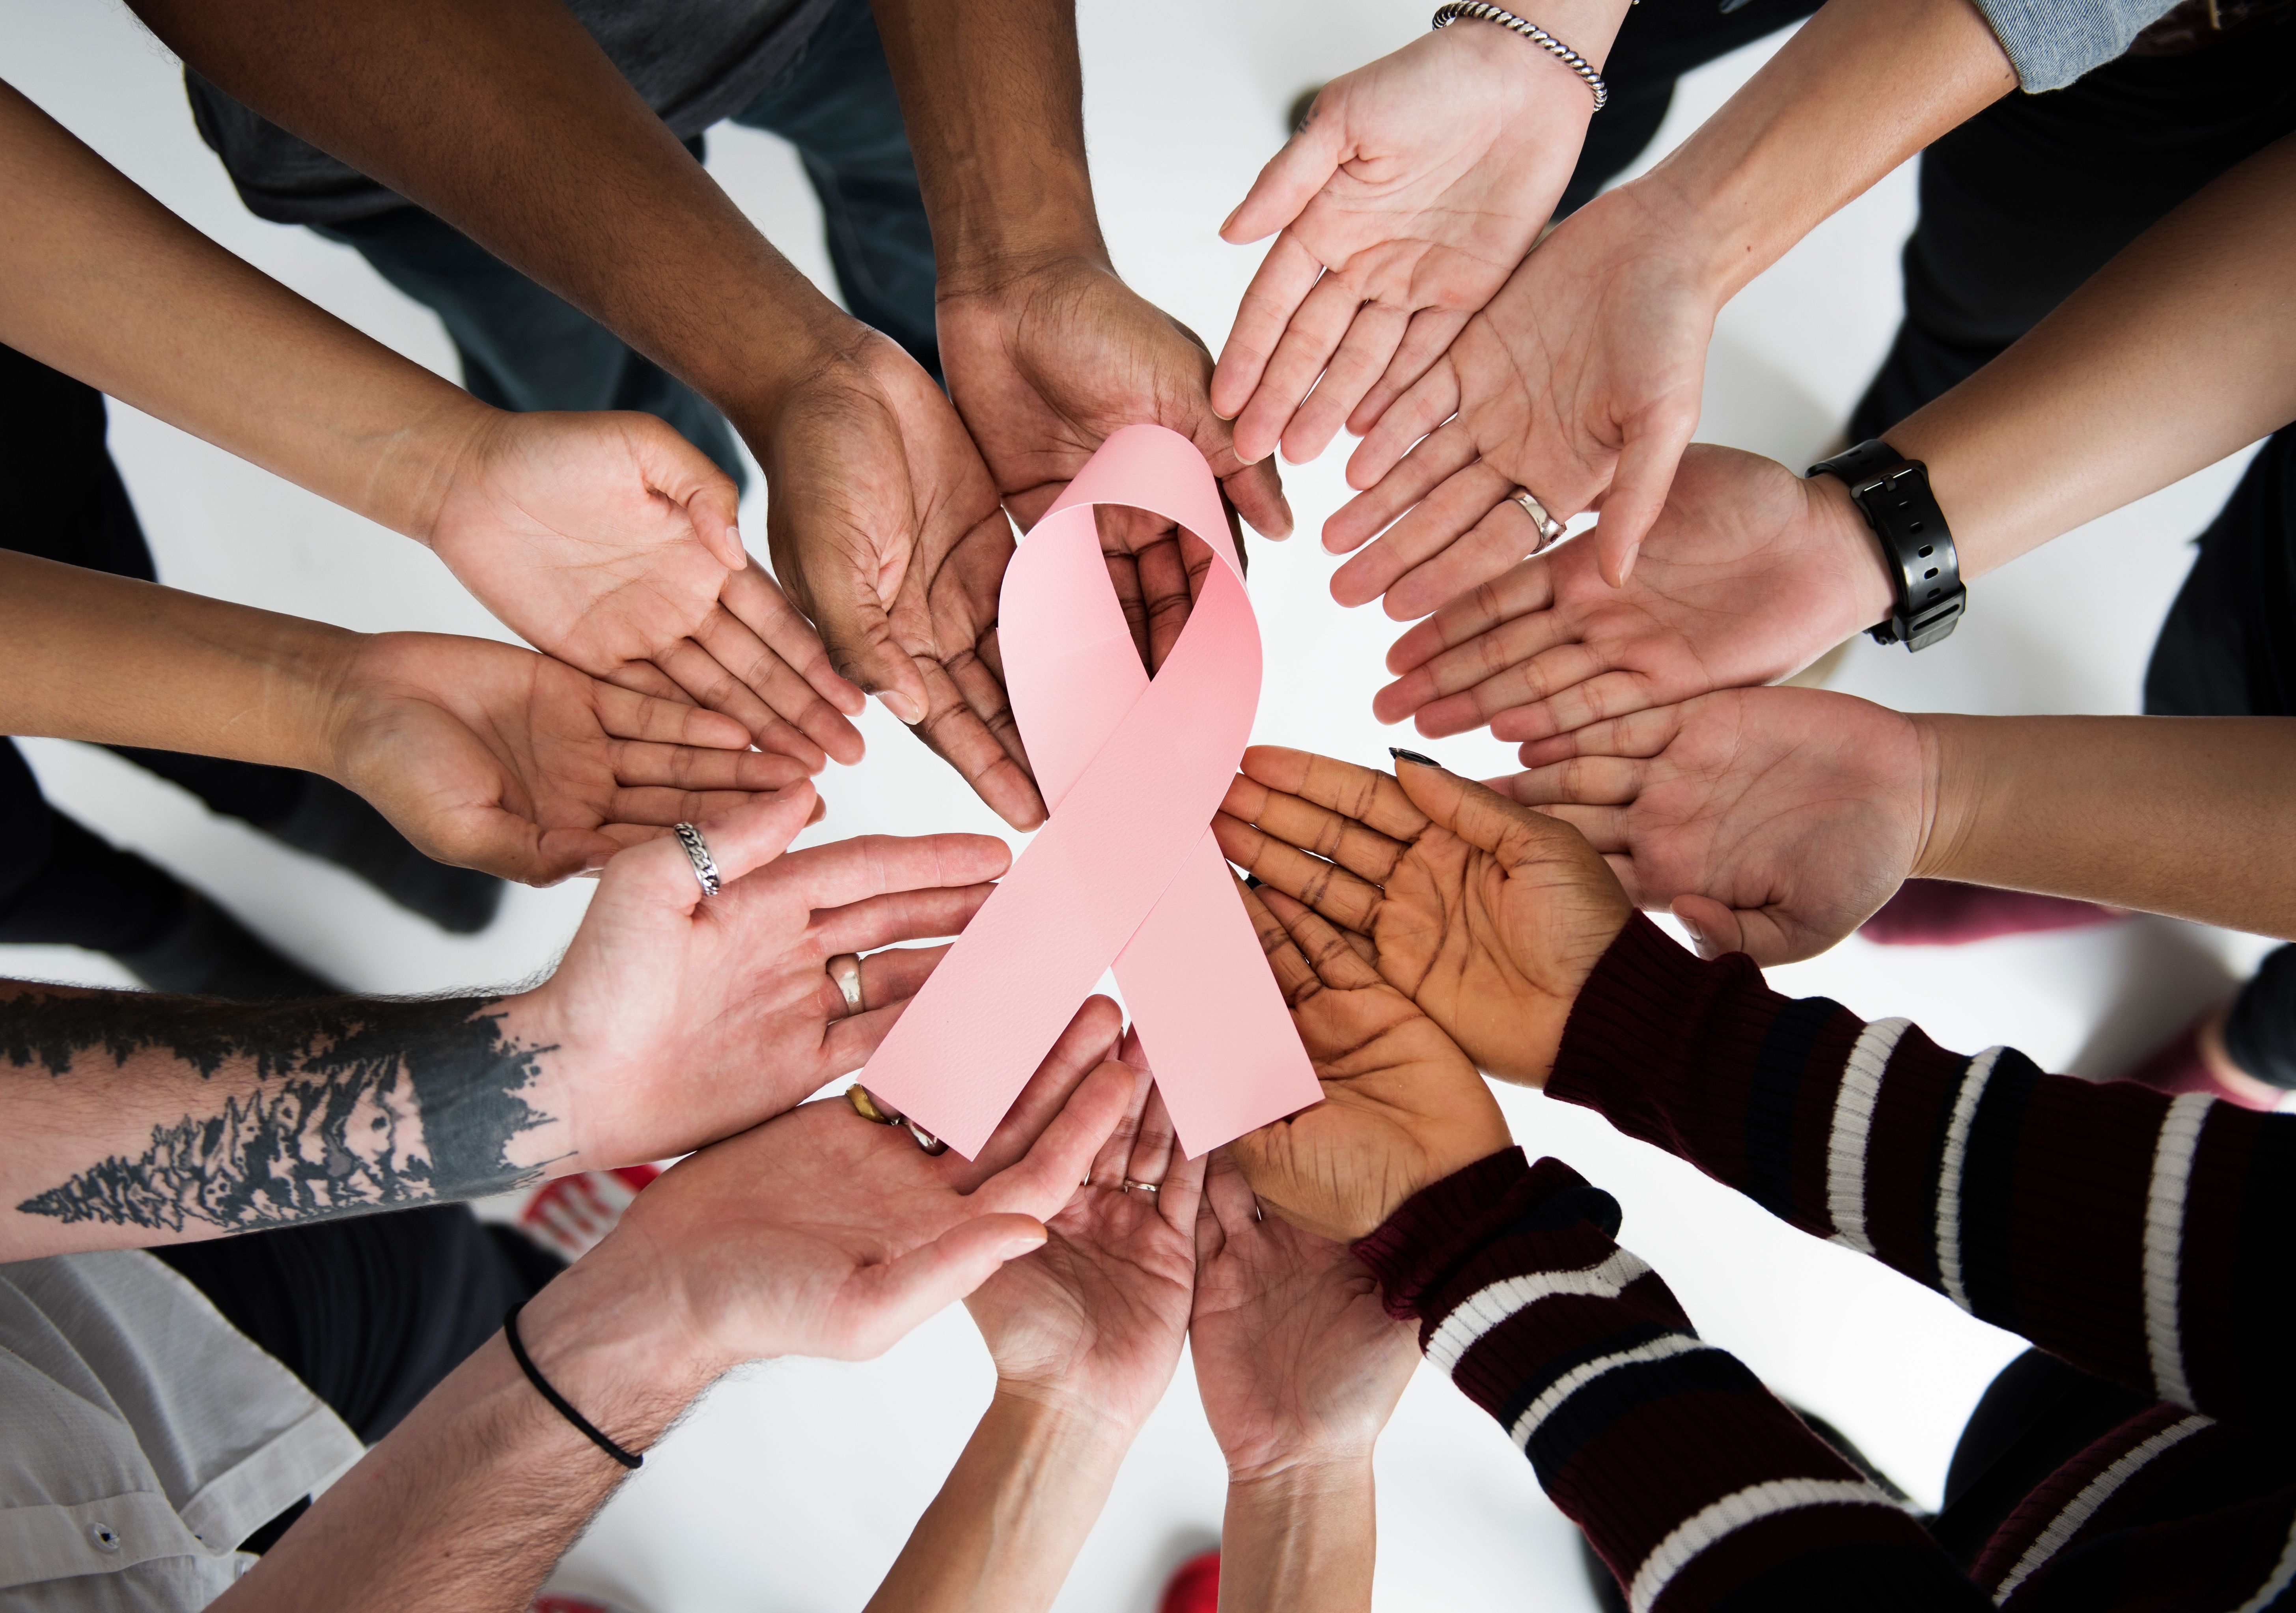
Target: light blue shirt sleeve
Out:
[2051,43]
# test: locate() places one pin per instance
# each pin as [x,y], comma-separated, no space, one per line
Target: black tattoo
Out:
[360,1105]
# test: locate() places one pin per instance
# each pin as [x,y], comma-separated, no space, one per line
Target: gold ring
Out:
[866,1106]
[845,971]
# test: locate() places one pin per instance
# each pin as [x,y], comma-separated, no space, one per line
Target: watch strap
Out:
[1893,492]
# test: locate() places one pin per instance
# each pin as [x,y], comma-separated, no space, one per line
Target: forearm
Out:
[1862,86]
[507,121]
[2177,353]
[1014,1511]
[2181,815]
[136,1120]
[115,661]
[469,1503]
[1303,1537]
[993,98]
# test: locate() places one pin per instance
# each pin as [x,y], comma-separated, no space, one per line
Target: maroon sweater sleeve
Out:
[2142,1237]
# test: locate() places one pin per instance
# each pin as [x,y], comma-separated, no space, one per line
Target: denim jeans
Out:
[522,348]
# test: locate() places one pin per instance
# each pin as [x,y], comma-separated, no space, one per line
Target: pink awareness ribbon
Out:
[1124,874]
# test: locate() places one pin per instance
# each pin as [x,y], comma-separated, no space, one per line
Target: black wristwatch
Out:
[1893,492]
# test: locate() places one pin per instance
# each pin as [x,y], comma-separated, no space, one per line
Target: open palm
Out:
[1486,917]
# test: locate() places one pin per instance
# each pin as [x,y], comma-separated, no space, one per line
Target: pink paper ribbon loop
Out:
[1124,874]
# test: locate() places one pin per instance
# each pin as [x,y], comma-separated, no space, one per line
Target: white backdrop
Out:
[792,1488]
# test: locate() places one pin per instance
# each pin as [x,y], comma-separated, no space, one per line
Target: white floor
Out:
[792,1489]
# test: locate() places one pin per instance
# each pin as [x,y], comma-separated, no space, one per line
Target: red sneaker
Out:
[557,1601]
[2184,1064]
[1942,913]
[572,1215]
[1195,1586]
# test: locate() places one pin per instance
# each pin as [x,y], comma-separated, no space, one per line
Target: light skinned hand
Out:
[1579,381]
[1045,363]
[1298,1361]
[487,755]
[822,1233]
[679,1019]
[1772,821]
[1402,1107]
[1413,188]
[1750,575]
[1487,916]
[885,528]
[609,541]
[1093,1321]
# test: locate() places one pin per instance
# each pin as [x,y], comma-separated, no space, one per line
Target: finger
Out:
[1527,682]
[1108,1164]
[753,664]
[648,678]
[1371,797]
[1348,374]
[1584,781]
[898,916]
[651,808]
[1484,553]
[1046,1179]
[1151,1155]
[1082,1046]
[637,765]
[1425,340]
[1167,596]
[740,841]
[1295,976]
[756,600]
[1523,591]
[1228,1197]
[1614,693]
[687,477]
[1309,340]
[1713,927]
[1284,867]
[1606,828]
[1647,460]
[1256,493]
[858,633]
[888,1300]
[1327,951]
[871,865]
[888,979]
[706,678]
[969,724]
[1182,1189]
[1443,520]
[1288,182]
[1431,399]
[1284,277]
[1434,462]
[626,714]
[1642,734]
[1335,837]
[1479,663]
[1481,817]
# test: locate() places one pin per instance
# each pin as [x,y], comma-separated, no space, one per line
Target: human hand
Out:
[1749,575]
[490,756]
[609,541]
[1421,179]
[1579,381]
[1402,1107]
[1486,915]
[884,525]
[1773,821]
[1297,1360]
[676,1019]
[820,1233]
[1045,363]
[1092,1322]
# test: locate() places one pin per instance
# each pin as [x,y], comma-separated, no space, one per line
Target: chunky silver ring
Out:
[926,1140]
[1549,528]
[697,853]
[845,970]
[1148,1188]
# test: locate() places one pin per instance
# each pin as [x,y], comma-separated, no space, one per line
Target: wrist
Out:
[602,1336]
[1953,776]
[1059,1417]
[1871,595]
[1292,1479]
[1002,256]
[1590,27]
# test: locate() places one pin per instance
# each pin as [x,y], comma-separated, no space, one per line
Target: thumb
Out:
[858,633]
[1637,492]
[894,1298]
[685,476]
[740,842]
[1290,180]
[1714,928]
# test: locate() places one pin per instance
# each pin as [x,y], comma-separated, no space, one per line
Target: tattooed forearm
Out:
[357,1105]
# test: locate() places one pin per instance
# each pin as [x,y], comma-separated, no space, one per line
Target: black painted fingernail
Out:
[1251,881]
[1400,754]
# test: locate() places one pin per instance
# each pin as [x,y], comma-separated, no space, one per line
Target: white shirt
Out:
[142,1439]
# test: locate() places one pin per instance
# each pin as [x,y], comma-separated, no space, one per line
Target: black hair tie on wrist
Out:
[534,1376]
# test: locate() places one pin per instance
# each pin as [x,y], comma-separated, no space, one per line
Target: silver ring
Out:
[845,970]
[1148,1188]
[1549,528]
[697,853]
[926,1140]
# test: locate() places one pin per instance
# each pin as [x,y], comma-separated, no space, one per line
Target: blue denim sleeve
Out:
[2051,43]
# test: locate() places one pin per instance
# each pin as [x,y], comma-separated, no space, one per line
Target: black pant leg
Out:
[2031,197]
[1659,42]
[371,1311]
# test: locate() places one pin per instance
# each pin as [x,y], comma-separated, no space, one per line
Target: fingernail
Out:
[1014,1247]
[1400,754]
[1251,881]
[902,707]
[734,533]
[1627,566]
[1697,936]
[1230,218]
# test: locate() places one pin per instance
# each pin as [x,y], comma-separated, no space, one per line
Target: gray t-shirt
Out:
[695,61]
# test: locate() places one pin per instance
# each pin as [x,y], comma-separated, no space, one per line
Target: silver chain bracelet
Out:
[1476,10]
